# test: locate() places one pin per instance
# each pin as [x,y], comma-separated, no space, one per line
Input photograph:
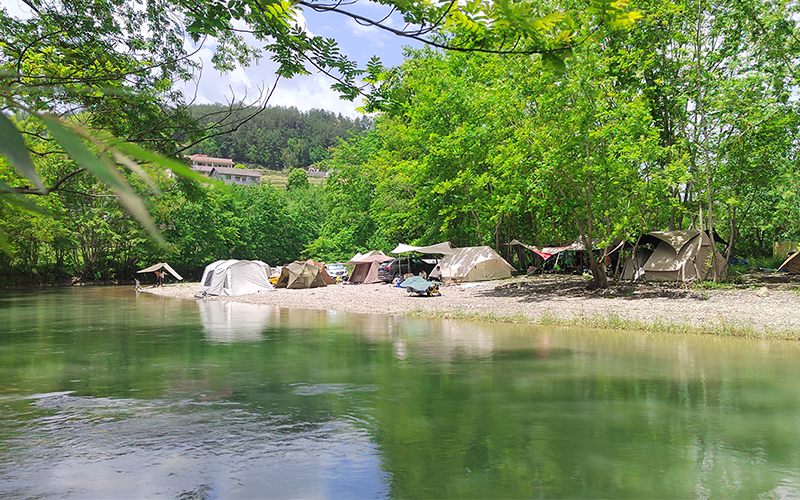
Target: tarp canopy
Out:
[235,277]
[791,265]
[158,266]
[366,266]
[677,256]
[532,248]
[300,275]
[474,264]
[444,248]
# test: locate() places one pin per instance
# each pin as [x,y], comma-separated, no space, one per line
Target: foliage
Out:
[298,179]
[277,138]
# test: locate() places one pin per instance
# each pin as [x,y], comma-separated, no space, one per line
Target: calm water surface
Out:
[106,394]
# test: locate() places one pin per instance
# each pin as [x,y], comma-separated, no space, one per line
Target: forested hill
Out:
[276,138]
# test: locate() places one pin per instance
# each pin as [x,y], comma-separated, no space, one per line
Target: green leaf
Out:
[20,201]
[73,145]
[13,147]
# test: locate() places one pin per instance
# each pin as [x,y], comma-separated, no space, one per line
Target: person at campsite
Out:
[159,278]
[138,285]
[436,274]
[423,274]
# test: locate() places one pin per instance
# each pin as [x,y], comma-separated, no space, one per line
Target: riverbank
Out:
[766,310]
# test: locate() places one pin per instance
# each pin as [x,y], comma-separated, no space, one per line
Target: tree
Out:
[297,179]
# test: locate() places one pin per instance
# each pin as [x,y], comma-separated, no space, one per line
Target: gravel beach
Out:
[762,309]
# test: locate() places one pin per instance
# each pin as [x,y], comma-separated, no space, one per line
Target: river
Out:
[106,393]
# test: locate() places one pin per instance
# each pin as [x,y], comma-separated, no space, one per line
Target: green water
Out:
[106,394]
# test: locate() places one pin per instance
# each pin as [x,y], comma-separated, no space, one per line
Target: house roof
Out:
[242,172]
[210,159]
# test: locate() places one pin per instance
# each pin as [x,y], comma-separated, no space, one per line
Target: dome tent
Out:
[474,264]
[235,277]
[300,275]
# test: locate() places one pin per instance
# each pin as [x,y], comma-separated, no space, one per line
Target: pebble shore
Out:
[756,311]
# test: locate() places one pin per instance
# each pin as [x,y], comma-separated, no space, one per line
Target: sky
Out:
[359,43]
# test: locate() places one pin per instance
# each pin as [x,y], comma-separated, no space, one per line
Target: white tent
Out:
[235,277]
[474,264]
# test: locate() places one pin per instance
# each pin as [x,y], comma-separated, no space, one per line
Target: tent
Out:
[367,265]
[325,276]
[235,277]
[444,248]
[791,265]
[474,264]
[158,266]
[300,275]
[676,256]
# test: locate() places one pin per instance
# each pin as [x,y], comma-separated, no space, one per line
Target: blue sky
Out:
[357,42]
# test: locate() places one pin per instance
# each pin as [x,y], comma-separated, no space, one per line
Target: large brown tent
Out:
[367,265]
[792,264]
[300,275]
[676,256]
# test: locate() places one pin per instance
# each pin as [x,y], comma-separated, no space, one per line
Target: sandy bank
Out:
[759,311]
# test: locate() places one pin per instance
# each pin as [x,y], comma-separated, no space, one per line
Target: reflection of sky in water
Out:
[112,448]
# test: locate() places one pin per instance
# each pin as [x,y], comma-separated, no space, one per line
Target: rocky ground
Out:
[762,305]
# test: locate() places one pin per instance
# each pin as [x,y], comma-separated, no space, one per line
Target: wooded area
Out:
[275,138]
[687,118]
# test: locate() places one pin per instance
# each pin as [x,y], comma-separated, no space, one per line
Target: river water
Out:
[108,394]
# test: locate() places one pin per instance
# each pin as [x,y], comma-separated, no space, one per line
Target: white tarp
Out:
[474,264]
[235,277]
[444,248]
[158,266]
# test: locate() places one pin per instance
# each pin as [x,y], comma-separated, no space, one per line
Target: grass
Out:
[613,322]
[278,178]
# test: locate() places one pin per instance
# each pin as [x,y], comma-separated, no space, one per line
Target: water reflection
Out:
[108,395]
[112,448]
[234,322]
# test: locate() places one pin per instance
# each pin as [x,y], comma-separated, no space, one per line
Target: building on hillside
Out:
[315,172]
[204,163]
[240,176]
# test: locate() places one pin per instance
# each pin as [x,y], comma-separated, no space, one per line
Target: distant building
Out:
[240,176]
[222,169]
[204,163]
[315,172]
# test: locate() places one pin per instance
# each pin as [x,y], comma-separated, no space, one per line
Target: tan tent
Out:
[474,264]
[791,265]
[677,256]
[367,265]
[300,275]
[325,276]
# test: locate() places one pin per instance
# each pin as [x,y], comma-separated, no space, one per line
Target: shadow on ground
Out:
[550,287]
